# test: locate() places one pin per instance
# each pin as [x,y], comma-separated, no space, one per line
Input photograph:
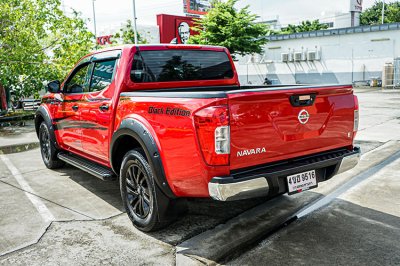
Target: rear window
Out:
[180,65]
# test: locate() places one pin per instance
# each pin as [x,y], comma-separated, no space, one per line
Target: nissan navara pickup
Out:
[172,122]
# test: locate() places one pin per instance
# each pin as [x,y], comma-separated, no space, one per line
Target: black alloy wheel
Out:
[45,143]
[139,196]
[47,149]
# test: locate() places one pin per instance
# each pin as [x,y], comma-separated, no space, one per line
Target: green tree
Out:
[234,29]
[38,43]
[305,26]
[373,15]
[126,34]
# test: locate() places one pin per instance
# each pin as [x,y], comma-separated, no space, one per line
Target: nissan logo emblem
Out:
[303,116]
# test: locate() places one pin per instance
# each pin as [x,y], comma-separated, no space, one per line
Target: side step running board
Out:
[92,168]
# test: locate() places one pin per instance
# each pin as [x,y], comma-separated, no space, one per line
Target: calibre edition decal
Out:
[168,111]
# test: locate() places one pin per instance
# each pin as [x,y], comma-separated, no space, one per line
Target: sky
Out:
[111,13]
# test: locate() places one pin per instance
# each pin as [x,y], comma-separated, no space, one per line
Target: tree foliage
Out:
[38,43]
[373,15]
[305,26]
[234,29]
[126,35]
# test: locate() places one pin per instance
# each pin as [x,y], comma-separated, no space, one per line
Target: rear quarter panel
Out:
[170,121]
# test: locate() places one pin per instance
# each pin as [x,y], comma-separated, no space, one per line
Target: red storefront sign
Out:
[103,40]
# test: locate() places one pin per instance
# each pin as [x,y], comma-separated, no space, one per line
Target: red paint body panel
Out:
[258,118]
[267,120]
[186,172]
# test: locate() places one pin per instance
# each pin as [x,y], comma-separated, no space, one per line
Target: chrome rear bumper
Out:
[273,180]
[240,190]
[349,162]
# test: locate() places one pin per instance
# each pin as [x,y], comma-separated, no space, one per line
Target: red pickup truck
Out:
[172,121]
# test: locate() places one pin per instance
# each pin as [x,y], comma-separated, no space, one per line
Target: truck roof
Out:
[161,46]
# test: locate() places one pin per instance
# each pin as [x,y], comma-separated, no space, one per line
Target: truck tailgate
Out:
[269,125]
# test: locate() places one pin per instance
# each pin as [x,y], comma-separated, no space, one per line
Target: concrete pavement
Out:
[379,115]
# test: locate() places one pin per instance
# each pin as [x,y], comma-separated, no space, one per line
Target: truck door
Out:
[96,111]
[67,113]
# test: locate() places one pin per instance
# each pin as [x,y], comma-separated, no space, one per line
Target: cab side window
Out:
[79,81]
[103,73]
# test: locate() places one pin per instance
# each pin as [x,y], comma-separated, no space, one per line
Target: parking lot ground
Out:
[69,217]
[379,115]
[361,227]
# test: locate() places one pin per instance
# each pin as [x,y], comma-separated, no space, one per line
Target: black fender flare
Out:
[43,113]
[135,129]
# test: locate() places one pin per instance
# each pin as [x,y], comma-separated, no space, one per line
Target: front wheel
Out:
[47,149]
[140,194]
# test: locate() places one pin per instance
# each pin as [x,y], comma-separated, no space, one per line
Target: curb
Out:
[238,234]
[17,118]
[16,148]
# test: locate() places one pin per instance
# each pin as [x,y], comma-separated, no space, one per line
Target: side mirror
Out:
[54,86]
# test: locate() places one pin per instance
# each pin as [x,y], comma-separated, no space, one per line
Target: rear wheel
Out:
[140,194]
[47,149]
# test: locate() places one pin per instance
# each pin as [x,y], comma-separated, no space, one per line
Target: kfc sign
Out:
[103,40]
[356,5]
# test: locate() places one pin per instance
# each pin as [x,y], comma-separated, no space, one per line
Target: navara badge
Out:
[303,116]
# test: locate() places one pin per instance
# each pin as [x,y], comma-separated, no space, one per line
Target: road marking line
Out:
[39,205]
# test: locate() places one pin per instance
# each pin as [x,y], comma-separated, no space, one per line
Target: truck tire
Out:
[47,148]
[140,194]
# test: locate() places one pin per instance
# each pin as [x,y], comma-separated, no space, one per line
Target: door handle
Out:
[104,107]
[75,107]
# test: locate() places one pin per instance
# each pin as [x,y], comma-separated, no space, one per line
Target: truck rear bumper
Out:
[270,180]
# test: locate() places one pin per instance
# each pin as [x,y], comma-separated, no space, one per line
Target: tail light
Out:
[213,132]
[356,115]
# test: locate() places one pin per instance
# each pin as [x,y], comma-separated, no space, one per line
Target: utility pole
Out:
[94,22]
[134,22]
[383,11]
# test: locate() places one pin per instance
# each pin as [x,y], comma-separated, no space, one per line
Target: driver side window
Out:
[79,81]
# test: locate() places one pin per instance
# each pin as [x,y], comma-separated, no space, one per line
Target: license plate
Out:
[301,182]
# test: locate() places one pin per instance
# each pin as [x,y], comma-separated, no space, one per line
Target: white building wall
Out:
[343,59]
